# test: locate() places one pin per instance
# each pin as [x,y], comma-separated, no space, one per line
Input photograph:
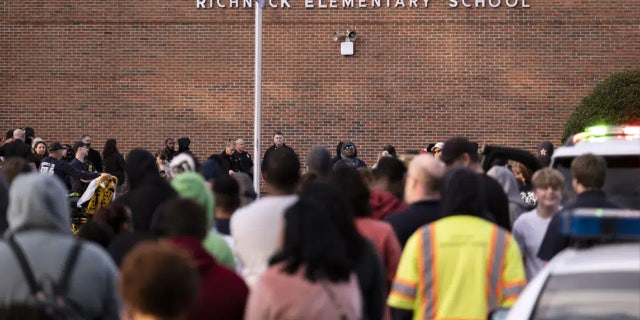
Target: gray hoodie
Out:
[39,216]
[509,184]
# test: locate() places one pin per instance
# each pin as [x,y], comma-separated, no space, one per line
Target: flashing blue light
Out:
[612,224]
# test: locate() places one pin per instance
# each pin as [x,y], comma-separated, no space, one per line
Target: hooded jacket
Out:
[191,185]
[222,294]
[183,145]
[350,161]
[39,217]
[509,184]
[147,189]
[384,203]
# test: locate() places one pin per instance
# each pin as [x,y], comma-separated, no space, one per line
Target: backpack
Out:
[53,302]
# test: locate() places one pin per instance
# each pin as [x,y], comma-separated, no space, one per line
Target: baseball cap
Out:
[438,145]
[79,144]
[55,146]
[545,148]
[455,147]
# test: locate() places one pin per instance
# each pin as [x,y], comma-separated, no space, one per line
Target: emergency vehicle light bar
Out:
[612,224]
[604,132]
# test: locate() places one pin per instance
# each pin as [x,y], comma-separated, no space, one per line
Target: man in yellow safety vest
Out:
[461,266]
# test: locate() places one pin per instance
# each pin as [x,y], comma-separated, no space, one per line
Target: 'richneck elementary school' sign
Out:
[361,4]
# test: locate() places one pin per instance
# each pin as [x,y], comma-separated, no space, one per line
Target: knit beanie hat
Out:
[191,185]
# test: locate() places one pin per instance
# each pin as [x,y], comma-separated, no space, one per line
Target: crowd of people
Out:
[430,237]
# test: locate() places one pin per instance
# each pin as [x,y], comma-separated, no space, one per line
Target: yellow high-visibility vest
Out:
[459,267]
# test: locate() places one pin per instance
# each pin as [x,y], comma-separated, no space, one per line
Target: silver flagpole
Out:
[257,97]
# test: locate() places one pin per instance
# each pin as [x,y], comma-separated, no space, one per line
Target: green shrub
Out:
[616,100]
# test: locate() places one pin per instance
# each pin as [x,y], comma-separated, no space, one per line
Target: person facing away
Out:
[507,180]
[226,191]
[40,223]
[310,276]
[380,233]
[18,148]
[460,152]
[318,165]
[4,202]
[531,226]
[255,227]
[158,282]
[223,294]
[360,251]
[191,185]
[338,156]
[387,187]
[422,193]
[183,147]
[588,173]
[461,266]
[278,143]
[114,163]
[319,161]
[147,190]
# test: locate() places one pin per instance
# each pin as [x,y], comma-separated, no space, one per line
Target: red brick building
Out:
[140,71]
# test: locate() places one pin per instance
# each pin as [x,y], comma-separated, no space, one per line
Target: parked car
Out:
[598,279]
[618,145]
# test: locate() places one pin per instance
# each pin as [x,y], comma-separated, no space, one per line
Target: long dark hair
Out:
[110,148]
[350,183]
[312,240]
[336,205]
[463,194]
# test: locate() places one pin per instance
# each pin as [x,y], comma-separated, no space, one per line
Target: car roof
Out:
[602,147]
[610,258]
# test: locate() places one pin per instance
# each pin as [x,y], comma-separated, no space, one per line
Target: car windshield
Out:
[590,296]
[622,184]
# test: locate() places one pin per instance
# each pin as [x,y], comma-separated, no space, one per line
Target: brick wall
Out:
[140,71]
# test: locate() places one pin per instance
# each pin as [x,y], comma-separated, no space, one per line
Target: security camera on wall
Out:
[347,45]
[352,36]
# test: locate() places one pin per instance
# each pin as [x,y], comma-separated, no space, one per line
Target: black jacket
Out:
[243,162]
[115,165]
[554,241]
[227,163]
[95,158]
[64,171]
[407,221]
[497,202]
[17,148]
[147,190]
[263,165]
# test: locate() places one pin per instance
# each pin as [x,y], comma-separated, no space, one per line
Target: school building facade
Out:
[505,72]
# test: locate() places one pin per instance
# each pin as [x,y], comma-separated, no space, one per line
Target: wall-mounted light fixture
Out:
[346,47]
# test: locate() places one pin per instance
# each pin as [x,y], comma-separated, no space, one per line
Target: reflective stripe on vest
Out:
[495,266]
[403,289]
[429,272]
[512,290]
